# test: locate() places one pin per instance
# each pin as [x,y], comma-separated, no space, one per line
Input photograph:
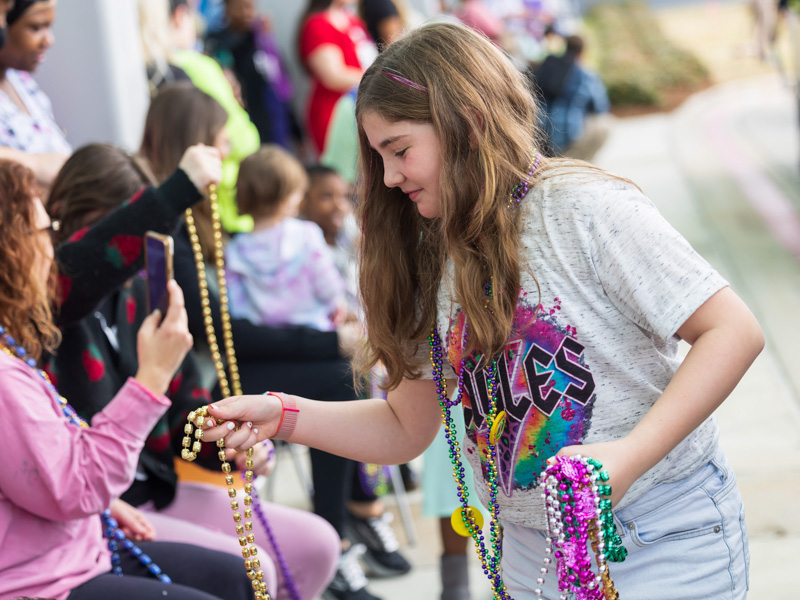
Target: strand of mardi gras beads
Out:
[574,508]
[252,563]
[467,520]
[205,301]
[291,585]
[111,531]
[471,521]
[244,531]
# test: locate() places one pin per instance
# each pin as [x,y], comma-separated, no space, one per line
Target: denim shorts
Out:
[686,540]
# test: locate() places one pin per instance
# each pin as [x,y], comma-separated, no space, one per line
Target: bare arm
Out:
[44,166]
[725,339]
[383,432]
[328,66]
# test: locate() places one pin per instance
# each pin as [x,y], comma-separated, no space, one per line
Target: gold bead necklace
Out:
[197,417]
[225,317]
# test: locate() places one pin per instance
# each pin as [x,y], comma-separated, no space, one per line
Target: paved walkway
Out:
[723,169]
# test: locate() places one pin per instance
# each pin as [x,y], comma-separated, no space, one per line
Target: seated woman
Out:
[53,501]
[28,131]
[98,352]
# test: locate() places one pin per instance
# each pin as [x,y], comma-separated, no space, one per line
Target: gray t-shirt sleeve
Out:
[646,268]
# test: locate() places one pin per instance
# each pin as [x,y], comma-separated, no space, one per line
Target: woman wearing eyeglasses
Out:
[60,474]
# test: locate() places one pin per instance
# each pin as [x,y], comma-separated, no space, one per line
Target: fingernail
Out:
[250,424]
[211,423]
[231,426]
[255,430]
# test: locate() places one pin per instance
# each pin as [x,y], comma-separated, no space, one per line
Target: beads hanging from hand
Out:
[197,418]
[572,489]
[111,531]
[244,531]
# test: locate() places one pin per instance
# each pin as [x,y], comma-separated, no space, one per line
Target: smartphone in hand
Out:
[158,252]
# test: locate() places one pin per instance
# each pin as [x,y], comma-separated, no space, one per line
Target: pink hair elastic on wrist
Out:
[289,414]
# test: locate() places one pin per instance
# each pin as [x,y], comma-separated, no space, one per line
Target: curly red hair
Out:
[24,304]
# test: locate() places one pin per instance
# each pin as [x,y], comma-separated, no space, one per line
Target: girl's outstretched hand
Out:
[618,460]
[243,420]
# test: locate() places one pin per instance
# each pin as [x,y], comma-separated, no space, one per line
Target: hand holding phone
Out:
[158,253]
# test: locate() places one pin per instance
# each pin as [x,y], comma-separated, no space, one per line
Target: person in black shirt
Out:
[248,48]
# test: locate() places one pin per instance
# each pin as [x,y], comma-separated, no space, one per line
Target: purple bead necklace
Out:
[291,585]
[521,189]
[115,536]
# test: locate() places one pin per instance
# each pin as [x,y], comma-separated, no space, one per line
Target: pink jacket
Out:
[56,479]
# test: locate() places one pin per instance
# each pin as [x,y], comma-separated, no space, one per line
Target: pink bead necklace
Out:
[572,490]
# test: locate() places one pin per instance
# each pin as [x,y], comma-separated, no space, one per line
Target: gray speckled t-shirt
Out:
[616,283]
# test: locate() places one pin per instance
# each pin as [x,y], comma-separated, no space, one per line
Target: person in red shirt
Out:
[335,48]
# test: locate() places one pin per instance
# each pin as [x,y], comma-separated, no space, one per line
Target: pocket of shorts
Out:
[692,514]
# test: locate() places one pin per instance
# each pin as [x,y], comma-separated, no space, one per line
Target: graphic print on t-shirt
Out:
[543,385]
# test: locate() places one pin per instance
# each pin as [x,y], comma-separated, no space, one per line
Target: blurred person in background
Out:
[248,47]
[576,108]
[281,273]
[328,203]
[168,30]
[334,48]
[28,131]
[157,47]
[387,19]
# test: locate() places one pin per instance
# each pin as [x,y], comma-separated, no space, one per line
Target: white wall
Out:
[94,73]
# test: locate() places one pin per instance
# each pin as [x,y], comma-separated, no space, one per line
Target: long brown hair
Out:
[24,306]
[484,116]
[181,116]
[96,179]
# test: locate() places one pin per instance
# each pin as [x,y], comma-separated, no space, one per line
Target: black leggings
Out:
[197,574]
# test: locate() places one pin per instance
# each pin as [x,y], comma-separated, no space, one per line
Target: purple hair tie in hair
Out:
[395,76]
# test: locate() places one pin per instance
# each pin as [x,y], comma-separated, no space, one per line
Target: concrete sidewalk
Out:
[723,169]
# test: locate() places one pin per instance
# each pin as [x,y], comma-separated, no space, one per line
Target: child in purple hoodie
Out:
[281,273]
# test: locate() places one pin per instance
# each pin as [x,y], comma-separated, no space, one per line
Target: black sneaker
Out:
[382,558]
[349,583]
